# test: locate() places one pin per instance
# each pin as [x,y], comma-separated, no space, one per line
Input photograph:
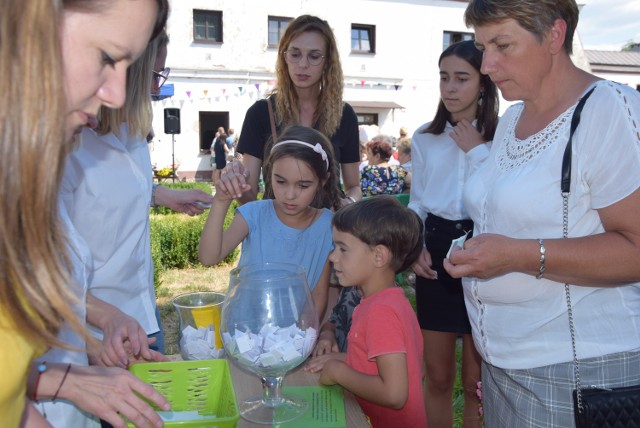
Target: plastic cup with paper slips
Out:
[199,314]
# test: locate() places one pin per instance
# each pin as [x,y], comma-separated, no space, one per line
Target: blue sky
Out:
[609,24]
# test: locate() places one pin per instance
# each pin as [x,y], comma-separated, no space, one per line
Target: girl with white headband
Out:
[301,170]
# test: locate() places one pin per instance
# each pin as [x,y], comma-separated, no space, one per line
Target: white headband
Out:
[317,148]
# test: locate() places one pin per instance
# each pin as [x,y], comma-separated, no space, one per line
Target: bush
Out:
[175,237]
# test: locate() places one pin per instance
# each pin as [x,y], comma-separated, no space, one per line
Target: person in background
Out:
[404,153]
[375,239]
[289,228]
[215,157]
[44,45]
[381,175]
[403,134]
[119,203]
[308,93]
[445,151]
[516,266]
[220,152]
[231,141]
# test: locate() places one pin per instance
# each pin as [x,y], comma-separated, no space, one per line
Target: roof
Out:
[630,59]
[374,104]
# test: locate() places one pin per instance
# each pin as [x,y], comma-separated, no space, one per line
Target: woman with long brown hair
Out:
[309,93]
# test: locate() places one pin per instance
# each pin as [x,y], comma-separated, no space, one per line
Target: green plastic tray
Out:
[202,386]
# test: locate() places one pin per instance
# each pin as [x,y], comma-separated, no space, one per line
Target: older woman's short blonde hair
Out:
[535,16]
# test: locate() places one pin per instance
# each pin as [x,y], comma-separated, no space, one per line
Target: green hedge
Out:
[175,237]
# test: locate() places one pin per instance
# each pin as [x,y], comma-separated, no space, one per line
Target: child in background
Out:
[375,239]
[288,229]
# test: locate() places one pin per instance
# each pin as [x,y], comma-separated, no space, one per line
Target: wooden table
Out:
[247,385]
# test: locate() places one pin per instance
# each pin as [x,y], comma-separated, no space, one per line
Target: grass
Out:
[179,281]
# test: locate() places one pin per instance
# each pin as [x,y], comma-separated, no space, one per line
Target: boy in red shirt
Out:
[375,239]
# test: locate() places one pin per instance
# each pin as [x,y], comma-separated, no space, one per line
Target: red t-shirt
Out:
[385,323]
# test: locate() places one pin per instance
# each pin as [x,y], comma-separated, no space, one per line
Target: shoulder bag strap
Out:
[565,182]
[565,187]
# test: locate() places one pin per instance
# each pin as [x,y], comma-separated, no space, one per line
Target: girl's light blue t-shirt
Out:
[270,240]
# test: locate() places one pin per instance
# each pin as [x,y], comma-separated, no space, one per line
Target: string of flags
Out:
[261,89]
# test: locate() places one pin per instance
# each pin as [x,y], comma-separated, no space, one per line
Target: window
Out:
[207,26]
[367,118]
[451,37]
[363,38]
[277,25]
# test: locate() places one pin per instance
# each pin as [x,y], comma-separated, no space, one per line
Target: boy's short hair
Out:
[383,220]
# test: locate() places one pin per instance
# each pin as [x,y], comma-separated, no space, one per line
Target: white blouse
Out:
[439,170]
[107,191]
[62,413]
[518,321]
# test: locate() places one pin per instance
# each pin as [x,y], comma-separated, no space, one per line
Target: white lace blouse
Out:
[518,321]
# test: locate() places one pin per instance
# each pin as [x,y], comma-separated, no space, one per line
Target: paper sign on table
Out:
[326,407]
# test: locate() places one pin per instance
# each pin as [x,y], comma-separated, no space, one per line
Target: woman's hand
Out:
[188,201]
[466,136]
[110,393]
[123,337]
[485,256]
[422,266]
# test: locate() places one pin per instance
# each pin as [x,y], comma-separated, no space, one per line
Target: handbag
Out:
[593,407]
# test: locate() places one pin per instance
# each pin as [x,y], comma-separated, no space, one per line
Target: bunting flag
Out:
[189,94]
[396,86]
[206,92]
[258,87]
[362,83]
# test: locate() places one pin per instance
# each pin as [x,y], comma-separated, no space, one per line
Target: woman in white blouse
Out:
[517,264]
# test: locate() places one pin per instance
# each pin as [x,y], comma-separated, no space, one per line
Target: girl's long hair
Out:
[487,112]
[326,197]
[36,296]
[329,109]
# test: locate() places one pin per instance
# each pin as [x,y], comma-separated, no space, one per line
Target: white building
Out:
[222,57]
[621,67]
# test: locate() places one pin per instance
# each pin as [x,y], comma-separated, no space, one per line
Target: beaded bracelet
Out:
[42,367]
[62,382]
[542,258]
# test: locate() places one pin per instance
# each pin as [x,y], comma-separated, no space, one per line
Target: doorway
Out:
[210,121]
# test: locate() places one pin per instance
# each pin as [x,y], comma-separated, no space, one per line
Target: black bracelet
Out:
[61,382]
